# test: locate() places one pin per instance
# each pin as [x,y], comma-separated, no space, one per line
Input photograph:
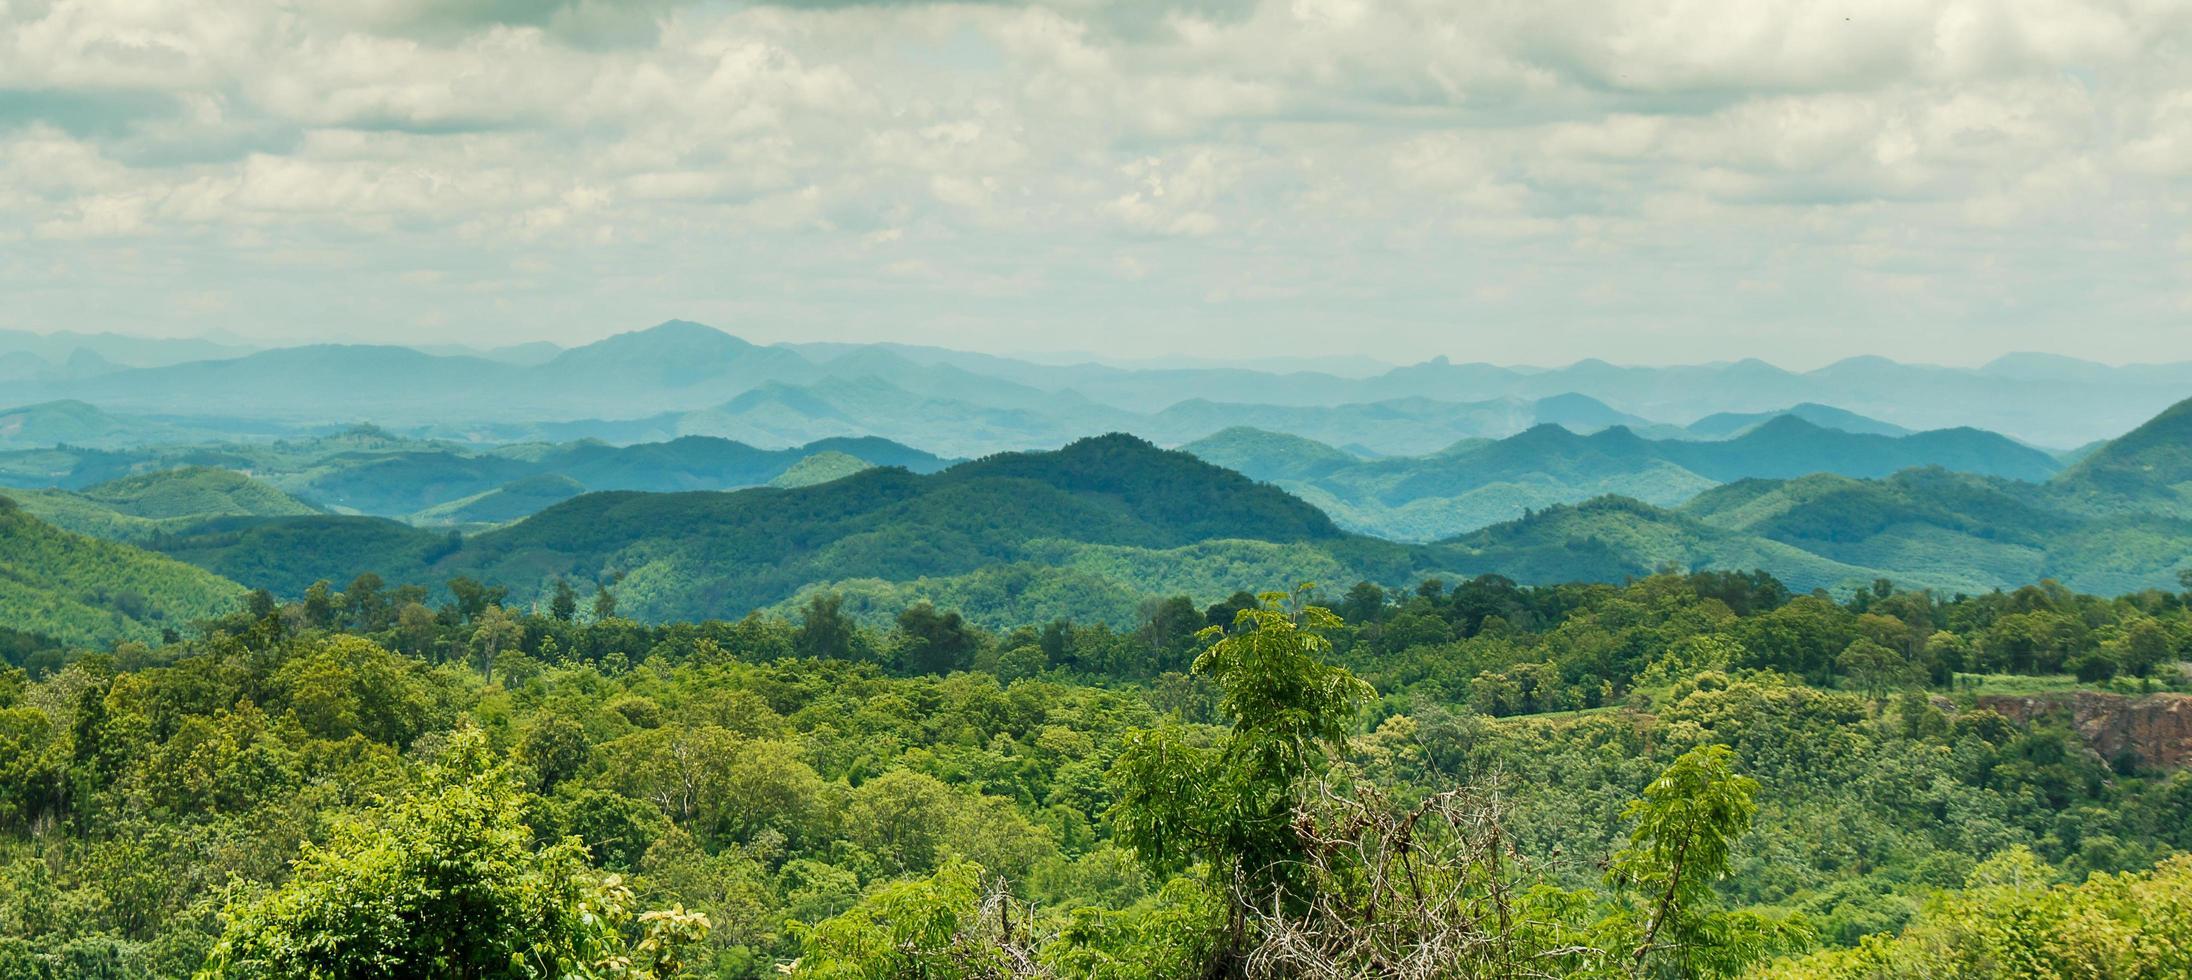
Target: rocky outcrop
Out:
[2155,729]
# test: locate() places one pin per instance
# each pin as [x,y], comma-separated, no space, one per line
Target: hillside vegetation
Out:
[363,774]
[85,591]
[140,507]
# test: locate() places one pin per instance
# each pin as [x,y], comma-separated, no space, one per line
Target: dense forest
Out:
[1686,775]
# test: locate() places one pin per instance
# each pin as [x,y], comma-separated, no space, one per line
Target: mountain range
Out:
[1095,529]
[682,378]
[1478,482]
[366,470]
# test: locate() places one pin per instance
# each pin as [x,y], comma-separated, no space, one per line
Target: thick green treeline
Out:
[1686,775]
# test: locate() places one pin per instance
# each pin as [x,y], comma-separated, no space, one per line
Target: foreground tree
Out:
[446,884]
[1687,824]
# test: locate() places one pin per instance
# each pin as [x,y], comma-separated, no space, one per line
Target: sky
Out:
[1521,182]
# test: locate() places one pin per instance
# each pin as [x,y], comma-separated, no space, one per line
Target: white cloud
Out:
[933,171]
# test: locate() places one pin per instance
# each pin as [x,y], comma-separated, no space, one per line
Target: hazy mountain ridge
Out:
[680,367]
[373,471]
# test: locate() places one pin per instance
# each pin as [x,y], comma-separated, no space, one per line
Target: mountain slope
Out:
[1270,456]
[1953,531]
[821,467]
[135,508]
[2147,470]
[89,592]
[510,502]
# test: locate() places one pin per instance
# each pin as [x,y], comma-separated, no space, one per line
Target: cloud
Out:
[1221,168]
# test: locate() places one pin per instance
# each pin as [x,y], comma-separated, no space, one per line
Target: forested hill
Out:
[668,555]
[2148,470]
[135,508]
[88,592]
[676,554]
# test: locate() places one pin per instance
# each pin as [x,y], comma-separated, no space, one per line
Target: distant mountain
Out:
[1789,446]
[683,378]
[373,471]
[116,351]
[1095,528]
[1612,538]
[1722,425]
[89,592]
[75,423]
[1270,456]
[1477,483]
[1397,426]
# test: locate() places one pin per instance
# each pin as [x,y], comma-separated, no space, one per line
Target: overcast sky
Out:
[1526,181]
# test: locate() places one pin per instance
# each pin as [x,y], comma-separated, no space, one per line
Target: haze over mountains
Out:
[682,378]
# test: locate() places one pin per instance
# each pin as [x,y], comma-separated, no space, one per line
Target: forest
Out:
[1689,774]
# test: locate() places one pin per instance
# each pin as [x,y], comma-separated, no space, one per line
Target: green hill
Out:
[1952,531]
[287,554]
[821,467]
[85,591]
[75,423]
[1270,456]
[1612,538]
[510,502]
[2147,470]
[1722,425]
[727,552]
[672,554]
[1475,483]
[138,507]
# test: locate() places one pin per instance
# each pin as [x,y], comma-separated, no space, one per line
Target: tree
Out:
[564,606]
[605,605]
[1874,667]
[825,632]
[936,928]
[319,605]
[495,631]
[445,883]
[934,643]
[1362,604]
[473,597]
[364,607]
[1232,804]
[1683,841]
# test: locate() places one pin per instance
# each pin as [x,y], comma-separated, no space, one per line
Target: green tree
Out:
[1683,842]
[825,632]
[564,605]
[446,883]
[1232,805]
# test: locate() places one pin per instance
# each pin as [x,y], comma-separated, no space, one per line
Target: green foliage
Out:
[2015,918]
[766,772]
[821,467]
[444,883]
[142,507]
[1681,846]
[1230,805]
[83,591]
